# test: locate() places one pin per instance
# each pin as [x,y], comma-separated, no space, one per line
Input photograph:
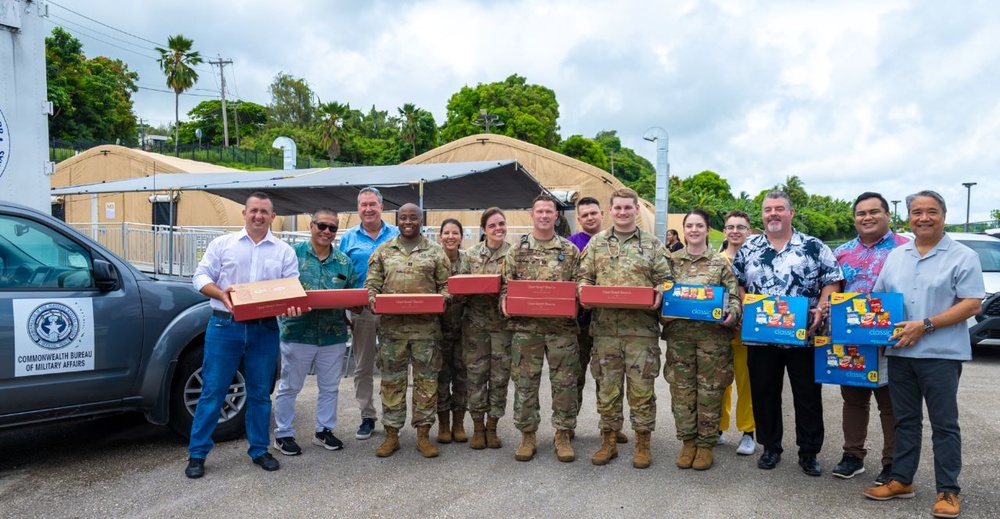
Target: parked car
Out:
[984,328]
[83,333]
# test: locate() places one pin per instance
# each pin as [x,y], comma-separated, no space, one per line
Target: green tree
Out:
[585,150]
[626,165]
[709,182]
[528,112]
[331,131]
[92,99]
[292,101]
[417,128]
[177,62]
[207,115]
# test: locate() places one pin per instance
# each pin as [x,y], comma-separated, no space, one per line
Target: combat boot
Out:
[686,458]
[492,440]
[444,427]
[608,450]
[564,450]
[458,427]
[424,445]
[642,457]
[621,437]
[702,459]
[390,444]
[527,449]
[478,434]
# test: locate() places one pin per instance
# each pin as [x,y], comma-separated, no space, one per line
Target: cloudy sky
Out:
[892,96]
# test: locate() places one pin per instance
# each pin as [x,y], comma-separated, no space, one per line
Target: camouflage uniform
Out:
[699,363]
[487,339]
[626,342]
[408,338]
[452,378]
[536,339]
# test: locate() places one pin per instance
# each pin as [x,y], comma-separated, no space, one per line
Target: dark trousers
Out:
[934,381]
[767,365]
[857,409]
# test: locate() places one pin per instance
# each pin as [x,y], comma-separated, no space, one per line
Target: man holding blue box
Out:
[942,284]
[861,261]
[784,262]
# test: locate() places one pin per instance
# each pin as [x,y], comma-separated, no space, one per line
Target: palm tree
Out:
[332,130]
[177,62]
[409,125]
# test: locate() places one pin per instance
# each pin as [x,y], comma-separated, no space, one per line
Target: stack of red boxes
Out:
[541,298]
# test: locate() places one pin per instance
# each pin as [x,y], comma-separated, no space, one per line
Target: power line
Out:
[106,25]
[75,32]
[172,92]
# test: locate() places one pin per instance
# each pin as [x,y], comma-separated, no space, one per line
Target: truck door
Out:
[65,345]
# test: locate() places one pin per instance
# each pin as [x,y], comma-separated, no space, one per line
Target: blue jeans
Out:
[227,342]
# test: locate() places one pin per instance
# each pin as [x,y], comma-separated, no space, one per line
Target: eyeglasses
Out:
[736,228]
[326,226]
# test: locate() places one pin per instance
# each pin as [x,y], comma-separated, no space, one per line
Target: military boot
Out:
[702,459]
[478,434]
[608,450]
[621,437]
[458,427]
[492,440]
[444,427]
[642,457]
[564,450]
[390,444]
[688,452]
[527,449]
[424,445]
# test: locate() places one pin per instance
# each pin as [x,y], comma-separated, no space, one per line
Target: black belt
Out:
[222,314]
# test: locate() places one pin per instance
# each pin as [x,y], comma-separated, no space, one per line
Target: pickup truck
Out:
[83,333]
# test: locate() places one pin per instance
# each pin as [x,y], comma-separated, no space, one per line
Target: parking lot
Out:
[123,467]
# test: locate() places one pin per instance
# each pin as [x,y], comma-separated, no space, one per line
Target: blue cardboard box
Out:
[775,319]
[849,365]
[697,302]
[864,319]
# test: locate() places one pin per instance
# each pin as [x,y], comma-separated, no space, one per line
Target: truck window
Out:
[33,256]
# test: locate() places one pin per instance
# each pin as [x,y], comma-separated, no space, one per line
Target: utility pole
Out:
[225,118]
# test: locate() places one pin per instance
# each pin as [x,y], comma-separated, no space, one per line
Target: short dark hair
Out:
[588,200]
[324,210]
[545,198]
[735,213]
[698,212]
[260,195]
[624,192]
[674,232]
[868,195]
[452,221]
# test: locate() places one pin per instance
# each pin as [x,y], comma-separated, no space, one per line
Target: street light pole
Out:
[895,215]
[968,201]
[660,137]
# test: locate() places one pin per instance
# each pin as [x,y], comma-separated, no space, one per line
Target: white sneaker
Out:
[722,439]
[747,445]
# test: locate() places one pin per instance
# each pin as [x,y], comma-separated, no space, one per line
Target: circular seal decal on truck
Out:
[4,144]
[53,326]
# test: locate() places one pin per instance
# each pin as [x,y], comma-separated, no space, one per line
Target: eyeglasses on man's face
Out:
[736,228]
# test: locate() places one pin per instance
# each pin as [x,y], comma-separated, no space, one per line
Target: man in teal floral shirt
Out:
[318,336]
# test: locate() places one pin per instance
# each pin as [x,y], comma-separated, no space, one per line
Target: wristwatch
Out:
[928,325]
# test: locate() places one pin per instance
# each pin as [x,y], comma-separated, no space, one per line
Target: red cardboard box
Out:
[541,307]
[266,298]
[542,289]
[341,298]
[463,284]
[617,297]
[409,304]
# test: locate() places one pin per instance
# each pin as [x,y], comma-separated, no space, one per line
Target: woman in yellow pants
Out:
[737,228]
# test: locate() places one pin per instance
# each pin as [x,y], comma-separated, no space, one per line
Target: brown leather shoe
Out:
[564,450]
[890,490]
[424,445]
[946,505]
[686,457]
[642,457]
[444,427]
[492,440]
[620,437]
[527,449]
[608,450]
[478,434]
[458,427]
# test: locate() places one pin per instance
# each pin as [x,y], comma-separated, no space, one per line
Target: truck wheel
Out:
[186,390]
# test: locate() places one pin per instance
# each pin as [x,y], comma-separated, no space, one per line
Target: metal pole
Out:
[968,202]
[895,215]
[659,135]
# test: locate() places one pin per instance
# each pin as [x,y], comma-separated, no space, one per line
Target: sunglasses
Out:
[325,226]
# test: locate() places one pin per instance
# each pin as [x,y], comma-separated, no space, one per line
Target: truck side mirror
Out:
[104,276]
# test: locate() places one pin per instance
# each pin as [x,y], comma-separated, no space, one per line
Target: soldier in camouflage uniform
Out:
[487,339]
[699,364]
[408,264]
[626,341]
[543,255]
[452,377]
